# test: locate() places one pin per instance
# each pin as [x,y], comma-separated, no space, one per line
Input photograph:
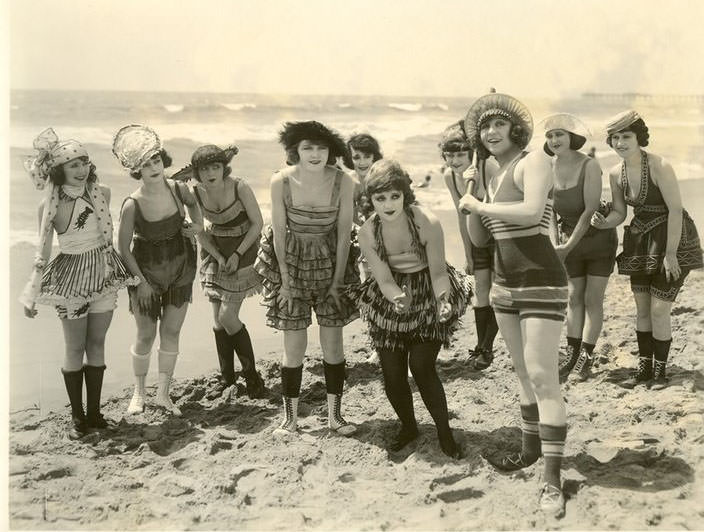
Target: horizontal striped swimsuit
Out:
[529,278]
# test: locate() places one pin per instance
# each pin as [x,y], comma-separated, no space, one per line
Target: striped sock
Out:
[530,441]
[552,438]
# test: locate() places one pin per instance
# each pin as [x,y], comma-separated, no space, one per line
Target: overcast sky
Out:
[404,47]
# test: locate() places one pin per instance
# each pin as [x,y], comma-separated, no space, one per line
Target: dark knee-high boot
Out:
[226,356]
[94,387]
[661,352]
[486,332]
[74,388]
[242,345]
[290,390]
[334,383]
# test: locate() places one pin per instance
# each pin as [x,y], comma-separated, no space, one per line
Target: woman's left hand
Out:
[444,307]
[190,229]
[671,266]
[334,293]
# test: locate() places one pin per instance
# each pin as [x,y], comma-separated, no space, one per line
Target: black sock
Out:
[394,367]
[553,443]
[480,319]
[589,348]
[661,349]
[492,327]
[334,377]
[574,343]
[530,437]
[291,381]
[645,343]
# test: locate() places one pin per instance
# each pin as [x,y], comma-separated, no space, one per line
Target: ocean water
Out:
[407,128]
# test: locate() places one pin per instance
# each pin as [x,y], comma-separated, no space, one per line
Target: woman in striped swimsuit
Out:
[83,279]
[305,259]
[529,294]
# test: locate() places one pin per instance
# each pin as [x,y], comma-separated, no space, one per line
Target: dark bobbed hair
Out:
[517,134]
[165,158]
[293,158]
[365,143]
[576,142]
[226,171]
[58,177]
[639,128]
[385,175]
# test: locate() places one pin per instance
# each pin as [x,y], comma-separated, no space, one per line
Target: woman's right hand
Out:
[402,301]
[30,312]
[598,220]
[145,293]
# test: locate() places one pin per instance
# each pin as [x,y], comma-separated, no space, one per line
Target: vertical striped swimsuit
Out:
[529,278]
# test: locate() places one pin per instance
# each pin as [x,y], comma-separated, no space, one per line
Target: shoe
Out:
[481,360]
[162,395]
[373,358]
[643,374]
[336,422]
[511,462]
[290,423]
[97,421]
[583,366]
[566,362]
[136,405]
[660,380]
[552,501]
[254,384]
[403,438]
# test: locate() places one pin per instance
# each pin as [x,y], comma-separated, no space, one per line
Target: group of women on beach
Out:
[530,270]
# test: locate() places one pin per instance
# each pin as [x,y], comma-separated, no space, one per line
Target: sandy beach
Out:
[633,457]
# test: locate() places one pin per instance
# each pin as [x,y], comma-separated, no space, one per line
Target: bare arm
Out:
[344,228]
[534,175]
[207,242]
[432,235]
[278,225]
[193,209]
[45,252]
[380,269]
[461,218]
[253,213]
[124,239]
[618,204]
[592,195]
[666,181]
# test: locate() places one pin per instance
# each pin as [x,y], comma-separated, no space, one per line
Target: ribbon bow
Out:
[38,167]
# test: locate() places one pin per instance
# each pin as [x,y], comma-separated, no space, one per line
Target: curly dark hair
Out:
[576,142]
[165,158]
[58,177]
[517,134]
[385,175]
[639,128]
[367,144]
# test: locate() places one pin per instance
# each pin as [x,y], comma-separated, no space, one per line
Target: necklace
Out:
[644,176]
[71,191]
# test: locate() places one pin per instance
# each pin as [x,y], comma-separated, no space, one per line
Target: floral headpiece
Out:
[51,152]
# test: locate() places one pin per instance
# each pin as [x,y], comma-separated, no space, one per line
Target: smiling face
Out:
[459,161]
[388,204]
[625,143]
[558,141]
[495,135]
[76,171]
[153,168]
[312,155]
[362,161]
[211,173]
